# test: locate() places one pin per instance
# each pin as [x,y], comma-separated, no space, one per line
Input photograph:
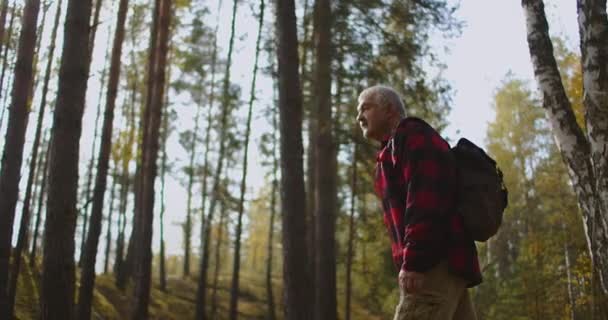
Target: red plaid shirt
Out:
[416,180]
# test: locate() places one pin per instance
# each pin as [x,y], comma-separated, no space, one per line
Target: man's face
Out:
[373,118]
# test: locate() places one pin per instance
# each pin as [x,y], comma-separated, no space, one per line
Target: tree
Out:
[57,293]
[351,231]
[3,13]
[7,40]
[87,278]
[12,155]
[298,299]
[163,168]
[326,166]
[24,227]
[225,100]
[163,12]
[585,153]
[273,212]
[106,261]
[43,103]
[234,289]
[86,195]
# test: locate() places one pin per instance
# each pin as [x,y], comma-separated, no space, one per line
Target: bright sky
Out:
[492,44]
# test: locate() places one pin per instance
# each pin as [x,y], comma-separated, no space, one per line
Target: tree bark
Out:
[41,196]
[150,155]
[45,89]
[22,238]
[311,150]
[326,167]
[298,299]
[87,276]
[273,211]
[234,289]
[94,25]
[593,27]
[121,264]
[5,59]
[351,233]
[218,258]
[12,155]
[202,284]
[188,224]
[162,271]
[3,13]
[106,261]
[57,294]
[207,137]
[579,154]
[88,199]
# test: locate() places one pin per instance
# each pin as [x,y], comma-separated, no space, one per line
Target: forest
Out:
[193,159]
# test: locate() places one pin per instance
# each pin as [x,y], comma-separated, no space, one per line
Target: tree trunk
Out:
[106,261]
[120,226]
[580,155]
[218,258]
[188,224]
[45,89]
[234,289]
[41,196]
[326,168]
[593,26]
[5,60]
[297,295]
[57,293]
[163,168]
[22,238]
[273,213]
[149,155]
[87,277]
[87,191]
[121,264]
[351,233]
[207,140]
[94,25]
[202,284]
[199,293]
[12,155]
[3,13]
[40,31]
[311,150]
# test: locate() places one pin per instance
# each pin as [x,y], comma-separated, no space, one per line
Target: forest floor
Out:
[110,302]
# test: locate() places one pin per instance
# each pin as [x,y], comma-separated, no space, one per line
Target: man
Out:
[416,181]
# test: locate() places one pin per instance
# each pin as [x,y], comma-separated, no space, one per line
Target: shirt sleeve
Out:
[428,175]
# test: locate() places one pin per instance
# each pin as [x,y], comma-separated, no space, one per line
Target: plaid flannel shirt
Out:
[416,180]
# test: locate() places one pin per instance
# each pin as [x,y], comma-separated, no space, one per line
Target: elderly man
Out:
[416,181]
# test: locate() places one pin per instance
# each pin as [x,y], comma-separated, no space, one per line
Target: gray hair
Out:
[385,96]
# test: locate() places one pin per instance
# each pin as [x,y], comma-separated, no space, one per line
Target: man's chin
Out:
[368,135]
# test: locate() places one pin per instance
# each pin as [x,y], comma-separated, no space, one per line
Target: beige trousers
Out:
[443,297]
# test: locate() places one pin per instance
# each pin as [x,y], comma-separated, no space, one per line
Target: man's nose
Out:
[359,116]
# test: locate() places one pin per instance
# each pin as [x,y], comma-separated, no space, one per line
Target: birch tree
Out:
[584,150]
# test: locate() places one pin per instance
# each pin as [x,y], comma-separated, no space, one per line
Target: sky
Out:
[492,44]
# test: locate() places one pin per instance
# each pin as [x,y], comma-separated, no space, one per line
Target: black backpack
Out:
[482,194]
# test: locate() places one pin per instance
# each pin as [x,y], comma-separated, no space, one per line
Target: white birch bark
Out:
[579,154]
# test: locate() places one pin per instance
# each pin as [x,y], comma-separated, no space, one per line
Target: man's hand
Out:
[411,281]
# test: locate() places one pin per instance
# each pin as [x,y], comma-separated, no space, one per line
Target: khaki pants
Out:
[443,297]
